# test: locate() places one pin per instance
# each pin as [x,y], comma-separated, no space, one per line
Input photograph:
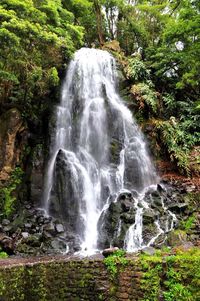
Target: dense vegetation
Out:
[36,37]
[160,52]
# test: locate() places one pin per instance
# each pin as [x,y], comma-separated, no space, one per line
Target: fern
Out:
[145,94]
[136,70]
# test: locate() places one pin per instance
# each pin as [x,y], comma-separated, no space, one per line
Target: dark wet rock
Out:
[109,251]
[7,228]
[148,250]
[149,231]
[28,225]
[134,178]
[41,220]
[28,206]
[108,224]
[5,222]
[149,216]
[166,221]
[140,205]
[115,148]
[128,218]
[134,194]
[34,240]
[72,242]
[60,228]
[59,245]
[115,221]
[25,235]
[37,173]
[50,228]
[127,205]
[47,220]
[157,204]
[160,241]
[150,191]
[155,194]
[176,238]
[124,196]
[177,207]
[127,201]
[7,244]
[65,200]
[40,213]
[46,235]
[160,188]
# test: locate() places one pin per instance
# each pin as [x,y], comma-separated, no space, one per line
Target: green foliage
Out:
[7,195]
[183,277]
[53,77]
[112,262]
[188,224]
[178,140]
[146,95]
[143,89]
[151,280]
[136,70]
[3,255]
[36,38]
[161,39]
[174,277]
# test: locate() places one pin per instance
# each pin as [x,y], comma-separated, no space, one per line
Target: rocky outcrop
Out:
[31,232]
[12,136]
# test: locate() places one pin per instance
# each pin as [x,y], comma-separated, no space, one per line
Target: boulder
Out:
[7,244]
[58,245]
[5,222]
[50,228]
[60,228]
[25,235]
[109,251]
[149,216]
[148,251]
[177,207]
[176,238]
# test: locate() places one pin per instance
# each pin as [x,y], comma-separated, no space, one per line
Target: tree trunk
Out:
[97,7]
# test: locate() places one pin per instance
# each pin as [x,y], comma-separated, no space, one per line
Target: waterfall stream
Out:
[99,163]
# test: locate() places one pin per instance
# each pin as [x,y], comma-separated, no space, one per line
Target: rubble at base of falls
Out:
[31,232]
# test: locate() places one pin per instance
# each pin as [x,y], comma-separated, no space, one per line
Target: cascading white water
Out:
[97,151]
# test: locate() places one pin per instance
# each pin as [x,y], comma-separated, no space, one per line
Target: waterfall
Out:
[98,154]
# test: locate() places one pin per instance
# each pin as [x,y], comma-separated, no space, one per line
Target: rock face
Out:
[114,222]
[65,199]
[37,174]
[12,136]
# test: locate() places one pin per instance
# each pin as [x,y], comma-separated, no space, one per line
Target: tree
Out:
[36,38]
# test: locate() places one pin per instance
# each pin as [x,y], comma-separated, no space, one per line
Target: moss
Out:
[7,194]
[12,285]
[3,254]
[188,224]
[151,280]
[113,261]
[163,276]
[174,277]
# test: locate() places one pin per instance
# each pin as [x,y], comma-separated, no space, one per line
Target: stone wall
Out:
[67,279]
[157,277]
